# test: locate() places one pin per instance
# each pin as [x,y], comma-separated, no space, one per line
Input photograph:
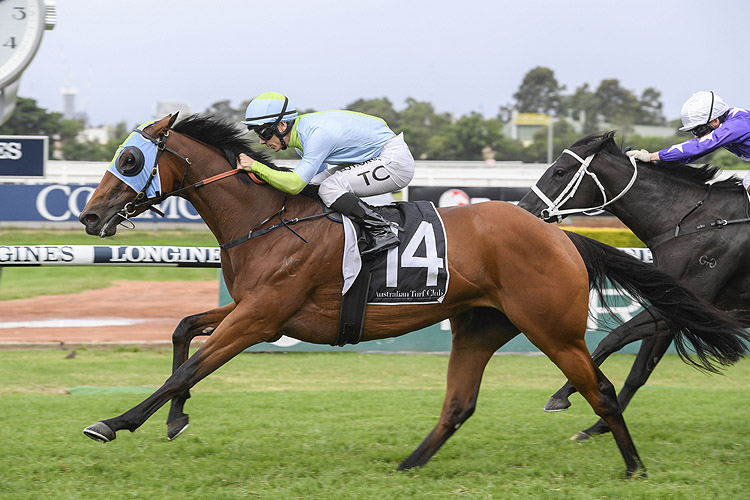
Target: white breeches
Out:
[390,171]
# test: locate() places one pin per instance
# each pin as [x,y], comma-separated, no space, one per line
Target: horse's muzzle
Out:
[97,225]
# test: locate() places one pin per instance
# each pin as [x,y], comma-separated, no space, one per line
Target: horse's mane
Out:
[605,141]
[222,134]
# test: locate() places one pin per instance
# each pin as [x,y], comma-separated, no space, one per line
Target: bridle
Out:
[142,201]
[553,207]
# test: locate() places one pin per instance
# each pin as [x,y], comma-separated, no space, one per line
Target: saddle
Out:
[414,272]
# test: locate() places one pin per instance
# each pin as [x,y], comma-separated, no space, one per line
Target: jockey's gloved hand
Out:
[641,155]
[245,162]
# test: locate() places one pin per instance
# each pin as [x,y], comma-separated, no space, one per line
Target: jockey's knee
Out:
[402,178]
[332,188]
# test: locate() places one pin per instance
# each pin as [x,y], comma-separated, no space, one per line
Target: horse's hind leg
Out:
[576,363]
[649,355]
[477,334]
[639,327]
[189,328]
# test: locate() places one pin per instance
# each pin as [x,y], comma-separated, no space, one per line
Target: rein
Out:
[282,223]
[553,207]
[149,202]
[679,231]
[142,201]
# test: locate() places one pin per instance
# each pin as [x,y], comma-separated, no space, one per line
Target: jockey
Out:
[346,154]
[714,125]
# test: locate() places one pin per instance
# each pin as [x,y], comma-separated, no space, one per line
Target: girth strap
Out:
[714,224]
[353,307]
[679,231]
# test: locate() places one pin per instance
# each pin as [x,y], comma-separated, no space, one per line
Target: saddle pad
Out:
[416,272]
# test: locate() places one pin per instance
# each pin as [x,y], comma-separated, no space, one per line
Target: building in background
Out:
[523,126]
[99,135]
[69,106]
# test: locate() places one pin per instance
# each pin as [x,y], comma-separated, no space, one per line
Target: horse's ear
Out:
[173,118]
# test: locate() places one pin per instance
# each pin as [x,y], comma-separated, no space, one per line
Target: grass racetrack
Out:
[336,426]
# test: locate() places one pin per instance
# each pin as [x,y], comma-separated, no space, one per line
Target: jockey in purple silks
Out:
[715,125]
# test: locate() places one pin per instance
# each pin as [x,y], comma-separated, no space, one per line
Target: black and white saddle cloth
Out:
[416,271]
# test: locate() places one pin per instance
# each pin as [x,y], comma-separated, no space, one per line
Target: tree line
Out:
[432,135]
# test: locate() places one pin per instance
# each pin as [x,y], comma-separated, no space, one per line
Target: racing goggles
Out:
[266,131]
[701,130]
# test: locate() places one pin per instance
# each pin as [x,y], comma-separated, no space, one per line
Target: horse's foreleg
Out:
[477,334]
[233,335]
[189,328]
[639,327]
[649,355]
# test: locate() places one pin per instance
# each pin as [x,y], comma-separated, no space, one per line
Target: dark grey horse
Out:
[697,230]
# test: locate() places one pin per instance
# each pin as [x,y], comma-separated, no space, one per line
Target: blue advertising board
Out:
[22,156]
[64,203]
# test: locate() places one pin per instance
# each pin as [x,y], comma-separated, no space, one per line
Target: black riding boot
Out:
[379,232]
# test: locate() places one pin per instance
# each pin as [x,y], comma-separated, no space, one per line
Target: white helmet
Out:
[701,108]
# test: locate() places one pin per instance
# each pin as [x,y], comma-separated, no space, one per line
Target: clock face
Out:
[22,26]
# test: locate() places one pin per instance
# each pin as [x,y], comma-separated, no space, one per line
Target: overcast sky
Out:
[461,56]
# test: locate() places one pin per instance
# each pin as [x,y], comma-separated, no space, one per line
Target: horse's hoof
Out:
[100,432]
[177,427]
[557,404]
[581,436]
[637,474]
[407,464]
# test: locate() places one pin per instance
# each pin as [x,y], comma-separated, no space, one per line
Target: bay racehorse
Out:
[698,230]
[510,273]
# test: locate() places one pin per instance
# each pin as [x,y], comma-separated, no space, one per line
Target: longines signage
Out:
[23,156]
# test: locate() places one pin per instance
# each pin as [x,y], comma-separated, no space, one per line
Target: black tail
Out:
[714,336]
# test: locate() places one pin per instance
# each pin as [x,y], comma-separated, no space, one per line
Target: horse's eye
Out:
[559,172]
[130,160]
